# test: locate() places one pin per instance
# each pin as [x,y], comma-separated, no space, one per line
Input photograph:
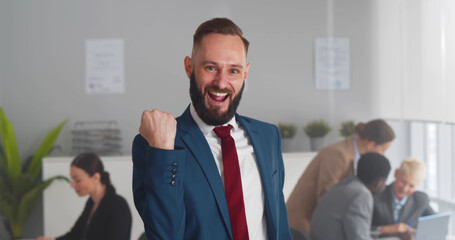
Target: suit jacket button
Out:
[174,171]
[173,183]
[175,165]
[174,177]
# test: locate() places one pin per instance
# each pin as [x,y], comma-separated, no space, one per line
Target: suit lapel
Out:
[407,210]
[197,145]
[389,202]
[263,161]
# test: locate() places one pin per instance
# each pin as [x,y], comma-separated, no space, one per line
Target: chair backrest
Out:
[298,235]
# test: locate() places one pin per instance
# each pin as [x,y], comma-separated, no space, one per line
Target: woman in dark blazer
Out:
[106,215]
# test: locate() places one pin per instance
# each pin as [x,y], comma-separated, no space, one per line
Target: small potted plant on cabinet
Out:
[347,128]
[316,130]
[287,131]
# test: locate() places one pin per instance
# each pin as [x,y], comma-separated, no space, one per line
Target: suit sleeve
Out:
[158,189]
[283,227]
[357,218]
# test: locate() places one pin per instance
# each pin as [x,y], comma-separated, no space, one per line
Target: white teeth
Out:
[219,94]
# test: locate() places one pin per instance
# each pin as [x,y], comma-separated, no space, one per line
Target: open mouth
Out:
[218,96]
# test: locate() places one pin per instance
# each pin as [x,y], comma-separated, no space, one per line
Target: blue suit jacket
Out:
[192,204]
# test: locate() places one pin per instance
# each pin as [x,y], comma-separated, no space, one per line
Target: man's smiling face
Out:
[217,72]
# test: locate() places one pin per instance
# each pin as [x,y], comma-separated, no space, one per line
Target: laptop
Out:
[433,227]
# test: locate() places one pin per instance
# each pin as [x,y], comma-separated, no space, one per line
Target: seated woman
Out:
[106,215]
[398,207]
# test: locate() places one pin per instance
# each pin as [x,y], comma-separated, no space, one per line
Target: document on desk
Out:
[104,66]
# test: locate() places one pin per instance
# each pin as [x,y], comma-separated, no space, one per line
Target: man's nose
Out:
[222,79]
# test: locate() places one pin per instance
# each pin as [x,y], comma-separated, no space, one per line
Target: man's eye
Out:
[210,68]
[235,71]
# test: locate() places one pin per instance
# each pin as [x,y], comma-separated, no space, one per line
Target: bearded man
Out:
[210,173]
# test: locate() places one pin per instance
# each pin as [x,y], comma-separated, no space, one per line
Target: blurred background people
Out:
[398,207]
[345,211]
[331,164]
[106,215]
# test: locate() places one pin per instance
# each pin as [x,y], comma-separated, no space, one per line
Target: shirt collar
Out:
[208,129]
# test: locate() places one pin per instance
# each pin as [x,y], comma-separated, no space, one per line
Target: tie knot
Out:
[223,131]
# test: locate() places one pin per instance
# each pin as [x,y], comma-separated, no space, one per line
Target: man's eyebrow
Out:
[216,64]
[237,66]
[209,62]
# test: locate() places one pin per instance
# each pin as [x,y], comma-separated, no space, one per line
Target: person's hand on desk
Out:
[44,238]
[395,228]
[401,230]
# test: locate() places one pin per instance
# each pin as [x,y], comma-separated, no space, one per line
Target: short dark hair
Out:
[372,167]
[218,25]
[376,130]
[91,164]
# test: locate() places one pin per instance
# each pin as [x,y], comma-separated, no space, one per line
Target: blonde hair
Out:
[413,168]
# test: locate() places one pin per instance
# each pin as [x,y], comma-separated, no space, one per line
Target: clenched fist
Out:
[158,128]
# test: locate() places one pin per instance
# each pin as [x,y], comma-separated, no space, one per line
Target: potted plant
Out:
[20,185]
[287,131]
[347,128]
[316,130]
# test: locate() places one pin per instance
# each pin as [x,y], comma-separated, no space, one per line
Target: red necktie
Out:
[232,183]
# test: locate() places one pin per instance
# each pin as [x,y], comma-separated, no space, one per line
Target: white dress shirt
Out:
[253,195]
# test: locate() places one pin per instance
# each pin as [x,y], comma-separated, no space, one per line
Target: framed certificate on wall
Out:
[332,64]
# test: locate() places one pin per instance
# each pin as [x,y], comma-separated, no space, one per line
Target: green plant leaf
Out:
[22,185]
[13,162]
[19,191]
[34,167]
[7,202]
[4,176]
[28,201]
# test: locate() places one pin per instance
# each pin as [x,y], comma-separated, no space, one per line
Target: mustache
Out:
[217,89]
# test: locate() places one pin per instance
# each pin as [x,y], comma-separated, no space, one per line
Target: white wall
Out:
[5,30]
[44,82]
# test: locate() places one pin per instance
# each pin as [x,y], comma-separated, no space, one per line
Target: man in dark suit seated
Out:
[345,211]
[398,207]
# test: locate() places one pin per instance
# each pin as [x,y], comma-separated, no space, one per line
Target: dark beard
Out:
[211,116]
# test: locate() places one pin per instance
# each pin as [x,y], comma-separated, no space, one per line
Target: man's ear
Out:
[188,66]
[247,69]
